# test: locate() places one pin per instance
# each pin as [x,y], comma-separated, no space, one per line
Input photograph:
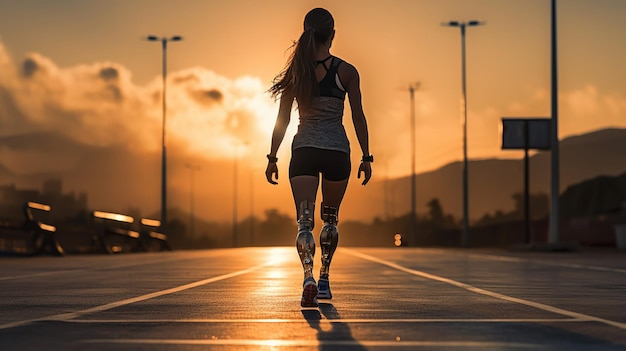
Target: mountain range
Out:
[492,182]
[118,179]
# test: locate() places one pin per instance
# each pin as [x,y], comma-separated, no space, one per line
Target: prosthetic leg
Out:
[329,237]
[305,245]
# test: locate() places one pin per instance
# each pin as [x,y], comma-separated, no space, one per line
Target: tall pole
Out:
[192,168]
[554,145]
[191,234]
[462,25]
[235,195]
[465,242]
[252,207]
[412,88]
[164,41]
[163,143]
[526,183]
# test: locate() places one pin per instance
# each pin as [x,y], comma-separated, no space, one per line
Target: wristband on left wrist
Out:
[272,159]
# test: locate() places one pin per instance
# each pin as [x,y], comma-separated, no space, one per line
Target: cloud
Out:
[580,110]
[588,108]
[207,97]
[583,101]
[213,115]
[109,73]
[29,67]
[98,104]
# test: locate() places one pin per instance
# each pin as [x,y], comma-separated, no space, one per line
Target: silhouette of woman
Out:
[318,82]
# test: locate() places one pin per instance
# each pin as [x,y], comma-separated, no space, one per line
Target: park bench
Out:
[30,235]
[114,232]
[151,238]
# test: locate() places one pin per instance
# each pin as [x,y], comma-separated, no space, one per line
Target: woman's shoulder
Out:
[343,62]
[346,68]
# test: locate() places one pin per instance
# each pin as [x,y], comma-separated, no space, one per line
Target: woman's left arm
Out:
[353,89]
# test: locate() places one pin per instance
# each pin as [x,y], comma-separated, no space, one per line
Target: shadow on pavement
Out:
[338,337]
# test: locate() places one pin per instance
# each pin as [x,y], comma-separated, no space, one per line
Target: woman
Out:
[318,82]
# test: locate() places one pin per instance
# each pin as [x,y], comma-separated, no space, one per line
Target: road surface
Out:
[248,299]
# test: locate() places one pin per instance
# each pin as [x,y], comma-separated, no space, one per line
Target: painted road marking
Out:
[548,263]
[302,343]
[108,306]
[143,262]
[331,321]
[477,290]
[40,274]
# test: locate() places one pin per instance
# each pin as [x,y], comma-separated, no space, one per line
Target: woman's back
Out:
[321,125]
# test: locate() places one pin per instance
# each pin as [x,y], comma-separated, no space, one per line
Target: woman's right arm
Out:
[282,122]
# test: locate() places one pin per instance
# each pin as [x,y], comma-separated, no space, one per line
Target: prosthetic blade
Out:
[329,237]
[305,243]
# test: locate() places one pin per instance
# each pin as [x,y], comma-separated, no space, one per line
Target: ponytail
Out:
[304,77]
[298,78]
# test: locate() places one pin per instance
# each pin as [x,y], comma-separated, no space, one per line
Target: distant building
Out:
[63,206]
[53,187]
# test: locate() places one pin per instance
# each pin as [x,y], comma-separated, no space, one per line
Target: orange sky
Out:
[236,47]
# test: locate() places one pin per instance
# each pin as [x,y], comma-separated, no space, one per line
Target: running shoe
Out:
[323,289]
[309,293]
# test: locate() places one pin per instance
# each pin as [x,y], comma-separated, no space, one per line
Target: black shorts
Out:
[333,165]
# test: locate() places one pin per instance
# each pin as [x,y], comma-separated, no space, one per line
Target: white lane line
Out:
[330,321]
[108,306]
[486,292]
[548,263]
[318,343]
[40,274]
[163,259]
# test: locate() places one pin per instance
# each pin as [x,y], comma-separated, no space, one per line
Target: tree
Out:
[437,216]
[539,205]
[277,229]
[435,211]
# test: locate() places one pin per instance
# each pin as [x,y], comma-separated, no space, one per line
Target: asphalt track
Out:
[248,299]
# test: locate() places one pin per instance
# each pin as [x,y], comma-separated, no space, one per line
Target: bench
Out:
[114,233]
[151,238]
[30,235]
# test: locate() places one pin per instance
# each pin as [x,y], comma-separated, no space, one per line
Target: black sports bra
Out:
[331,85]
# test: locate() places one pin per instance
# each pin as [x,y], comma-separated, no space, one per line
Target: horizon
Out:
[91,78]
[385,198]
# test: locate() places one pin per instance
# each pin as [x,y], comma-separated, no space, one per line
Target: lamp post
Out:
[235,195]
[235,191]
[553,236]
[192,168]
[252,176]
[412,88]
[462,25]
[164,42]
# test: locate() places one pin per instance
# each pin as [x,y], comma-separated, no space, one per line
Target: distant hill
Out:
[597,196]
[493,181]
[118,179]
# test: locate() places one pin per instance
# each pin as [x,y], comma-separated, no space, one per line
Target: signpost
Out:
[526,134]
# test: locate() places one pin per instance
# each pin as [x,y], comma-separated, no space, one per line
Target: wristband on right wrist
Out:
[368,158]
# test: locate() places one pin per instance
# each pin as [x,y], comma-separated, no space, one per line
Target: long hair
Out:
[298,77]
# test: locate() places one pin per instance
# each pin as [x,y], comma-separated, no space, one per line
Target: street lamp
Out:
[235,191]
[164,41]
[462,26]
[412,88]
[252,176]
[192,168]
[553,236]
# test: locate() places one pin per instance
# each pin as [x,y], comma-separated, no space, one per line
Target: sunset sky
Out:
[80,67]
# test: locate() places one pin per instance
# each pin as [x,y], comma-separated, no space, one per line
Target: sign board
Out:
[526,133]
